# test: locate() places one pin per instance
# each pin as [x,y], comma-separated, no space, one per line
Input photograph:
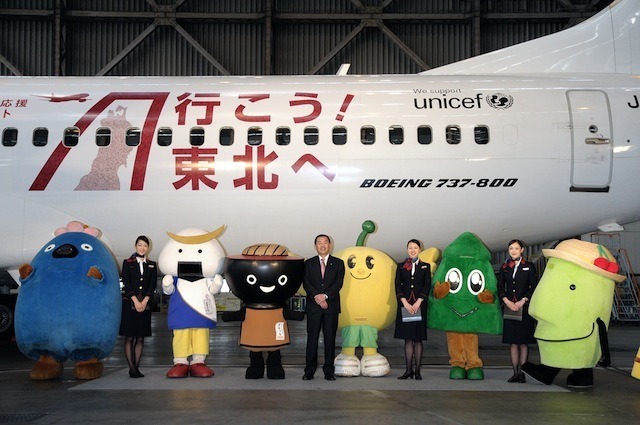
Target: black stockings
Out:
[519,354]
[133,346]
[413,354]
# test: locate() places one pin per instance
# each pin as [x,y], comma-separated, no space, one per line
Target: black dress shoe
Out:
[307,377]
[331,377]
[514,378]
[135,374]
[418,376]
[521,378]
[406,375]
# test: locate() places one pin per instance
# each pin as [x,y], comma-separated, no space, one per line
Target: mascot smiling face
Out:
[465,291]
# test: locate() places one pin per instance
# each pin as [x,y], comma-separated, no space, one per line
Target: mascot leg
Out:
[88,369]
[274,365]
[374,364]
[347,363]
[455,346]
[540,372]
[256,366]
[473,362]
[635,371]
[198,369]
[181,343]
[46,368]
[200,344]
[580,378]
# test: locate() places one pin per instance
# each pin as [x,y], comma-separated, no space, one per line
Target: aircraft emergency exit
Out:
[538,141]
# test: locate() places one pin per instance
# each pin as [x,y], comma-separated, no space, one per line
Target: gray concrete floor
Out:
[229,398]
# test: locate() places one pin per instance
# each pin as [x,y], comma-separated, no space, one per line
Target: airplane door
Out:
[591,140]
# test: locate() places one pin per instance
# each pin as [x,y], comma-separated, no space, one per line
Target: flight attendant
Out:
[139,277]
[516,281]
[413,283]
[323,277]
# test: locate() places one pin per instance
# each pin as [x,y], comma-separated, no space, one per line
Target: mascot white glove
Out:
[214,284]
[167,285]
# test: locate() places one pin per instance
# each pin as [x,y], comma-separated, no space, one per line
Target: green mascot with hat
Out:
[572,304]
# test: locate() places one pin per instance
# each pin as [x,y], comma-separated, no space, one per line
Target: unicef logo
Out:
[499,100]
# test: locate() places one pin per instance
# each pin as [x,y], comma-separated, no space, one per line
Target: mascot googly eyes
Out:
[464,302]
[367,305]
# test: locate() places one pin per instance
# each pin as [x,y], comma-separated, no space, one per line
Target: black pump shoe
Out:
[407,375]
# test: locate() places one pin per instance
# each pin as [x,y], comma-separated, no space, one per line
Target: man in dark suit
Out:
[323,276]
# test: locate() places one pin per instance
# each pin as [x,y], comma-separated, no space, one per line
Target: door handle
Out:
[596,141]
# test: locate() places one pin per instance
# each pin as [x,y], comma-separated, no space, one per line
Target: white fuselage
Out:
[546,135]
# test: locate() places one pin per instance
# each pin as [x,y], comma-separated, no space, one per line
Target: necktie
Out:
[322,267]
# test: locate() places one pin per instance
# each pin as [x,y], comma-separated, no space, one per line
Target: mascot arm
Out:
[167,285]
[440,290]
[214,284]
[485,297]
[605,360]
[25,271]
[234,316]
[95,273]
[292,315]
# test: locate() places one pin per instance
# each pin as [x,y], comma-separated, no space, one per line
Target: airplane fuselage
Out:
[281,159]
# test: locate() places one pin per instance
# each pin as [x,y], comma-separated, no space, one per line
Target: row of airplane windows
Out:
[164,136]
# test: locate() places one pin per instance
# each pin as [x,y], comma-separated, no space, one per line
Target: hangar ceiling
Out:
[266,37]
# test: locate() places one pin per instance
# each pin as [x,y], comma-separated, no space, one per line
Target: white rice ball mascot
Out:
[191,261]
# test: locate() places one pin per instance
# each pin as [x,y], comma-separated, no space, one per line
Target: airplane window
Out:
[453,134]
[196,136]
[254,136]
[226,136]
[396,135]
[425,136]
[9,137]
[481,134]
[164,136]
[339,135]
[132,137]
[283,136]
[40,136]
[71,136]
[103,137]
[367,135]
[311,135]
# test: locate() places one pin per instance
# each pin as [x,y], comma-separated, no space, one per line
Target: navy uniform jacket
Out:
[520,286]
[419,283]
[136,284]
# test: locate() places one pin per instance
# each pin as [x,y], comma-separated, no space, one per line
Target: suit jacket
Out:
[138,284]
[419,283]
[520,286]
[314,284]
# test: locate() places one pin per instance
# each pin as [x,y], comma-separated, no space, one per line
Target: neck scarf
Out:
[409,262]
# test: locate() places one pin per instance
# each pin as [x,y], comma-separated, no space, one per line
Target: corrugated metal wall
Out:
[258,37]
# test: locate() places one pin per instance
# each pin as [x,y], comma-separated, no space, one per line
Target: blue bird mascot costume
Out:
[69,304]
